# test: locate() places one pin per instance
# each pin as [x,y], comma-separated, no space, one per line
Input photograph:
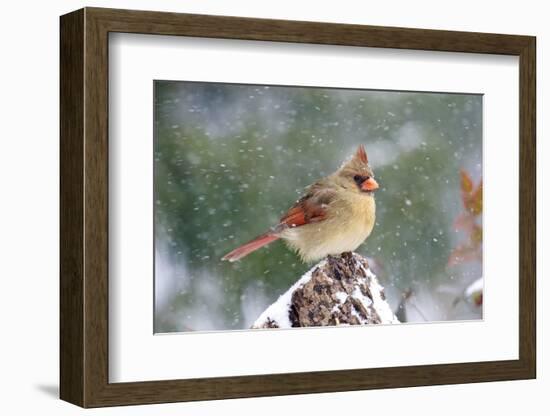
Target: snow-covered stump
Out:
[339,290]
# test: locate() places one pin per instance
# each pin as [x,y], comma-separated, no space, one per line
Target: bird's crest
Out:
[361,154]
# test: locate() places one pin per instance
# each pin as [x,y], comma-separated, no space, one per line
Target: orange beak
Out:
[369,185]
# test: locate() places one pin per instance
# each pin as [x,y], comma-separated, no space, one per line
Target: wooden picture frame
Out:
[84,207]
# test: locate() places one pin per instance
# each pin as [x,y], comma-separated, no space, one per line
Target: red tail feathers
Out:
[249,247]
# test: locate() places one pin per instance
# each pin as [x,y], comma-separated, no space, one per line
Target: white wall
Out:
[29,207]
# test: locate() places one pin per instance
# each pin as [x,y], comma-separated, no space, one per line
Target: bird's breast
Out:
[354,221]
[348,223]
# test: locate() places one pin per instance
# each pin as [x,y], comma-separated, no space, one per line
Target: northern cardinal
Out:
[335,215]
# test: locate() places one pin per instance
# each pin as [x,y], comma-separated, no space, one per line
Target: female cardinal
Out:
[335,215]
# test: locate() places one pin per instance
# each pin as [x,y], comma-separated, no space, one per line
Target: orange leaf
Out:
[476,235]
[464,222]
[461,254]
[466,183]
[473,204]
[475,201]
[466,186]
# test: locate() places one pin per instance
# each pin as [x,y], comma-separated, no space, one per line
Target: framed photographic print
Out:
[255,207]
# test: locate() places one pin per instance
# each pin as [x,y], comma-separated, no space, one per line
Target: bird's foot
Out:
[346,255]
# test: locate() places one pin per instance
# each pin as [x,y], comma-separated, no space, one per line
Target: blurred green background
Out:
[230,159]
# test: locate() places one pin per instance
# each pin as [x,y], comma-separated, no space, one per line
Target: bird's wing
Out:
[309,209]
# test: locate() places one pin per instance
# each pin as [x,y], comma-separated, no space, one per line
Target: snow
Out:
[476,286]
[279,310]
[357,294]
[356,314]
[342,297]
[381,306]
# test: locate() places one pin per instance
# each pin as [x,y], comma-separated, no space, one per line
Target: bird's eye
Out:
[359,179]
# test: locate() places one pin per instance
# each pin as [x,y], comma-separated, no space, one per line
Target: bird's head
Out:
[356,175]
